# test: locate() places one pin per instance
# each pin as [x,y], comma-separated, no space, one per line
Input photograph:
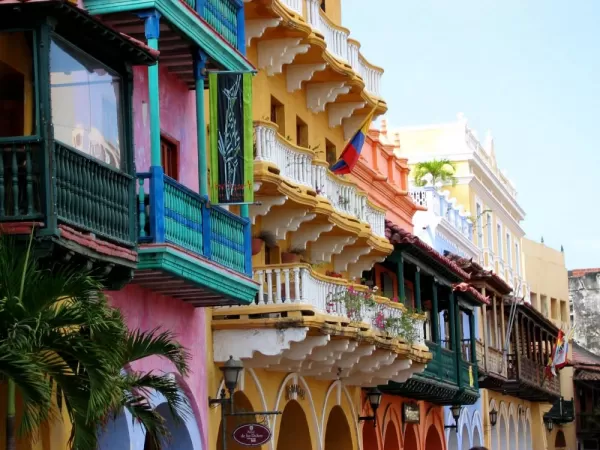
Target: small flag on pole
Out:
[558,360]
[351,152]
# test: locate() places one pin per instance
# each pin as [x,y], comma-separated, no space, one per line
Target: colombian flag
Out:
[559,355]
[351,152]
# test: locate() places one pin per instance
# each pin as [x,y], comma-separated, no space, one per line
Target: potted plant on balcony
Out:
[292,255]
[404,327]
[351,301]
[333,274]
[267,237]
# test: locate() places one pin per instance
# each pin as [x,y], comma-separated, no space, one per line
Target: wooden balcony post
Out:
[199,65]
[435,331]
[453,334]
[400,273]
[485,333]
[152,32]
[502,326]
[495,319]
[418,288]
[473,337]
[536,353]
[517,346]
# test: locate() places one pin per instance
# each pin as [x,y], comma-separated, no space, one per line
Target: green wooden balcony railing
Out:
[171,213]
[226,17]
[65,186]
[93,196]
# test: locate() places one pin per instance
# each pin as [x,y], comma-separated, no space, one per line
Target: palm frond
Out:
[141,344]
[439,169]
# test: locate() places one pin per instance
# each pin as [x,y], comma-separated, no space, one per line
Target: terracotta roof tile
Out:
[468,289]
[478,273]
[581,356]
[398,235]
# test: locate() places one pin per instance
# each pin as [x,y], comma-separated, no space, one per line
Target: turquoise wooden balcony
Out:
[190,249]
[70,199]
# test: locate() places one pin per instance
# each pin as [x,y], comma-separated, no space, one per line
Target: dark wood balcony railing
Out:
[588,423]
[174,214]
[88,194]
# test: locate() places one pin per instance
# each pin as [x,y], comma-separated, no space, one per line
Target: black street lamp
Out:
[549,425]
[455,410]
[374,397]
[493,417]
[231,374]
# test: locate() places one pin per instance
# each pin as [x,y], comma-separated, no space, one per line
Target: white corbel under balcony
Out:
[358,354]
[273,54]
[318,95]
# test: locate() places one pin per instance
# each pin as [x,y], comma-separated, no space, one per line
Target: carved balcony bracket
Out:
[309,232]
[350,255]
[326,246]
[364,263]
[319,94]
[264,204]
[284,220]
[298,73]
[340,111]
[242,344]
[273,54]
[351,124]
[388,369]
[256,27]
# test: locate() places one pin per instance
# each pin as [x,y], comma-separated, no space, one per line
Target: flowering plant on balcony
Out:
[351,302]
[404,326]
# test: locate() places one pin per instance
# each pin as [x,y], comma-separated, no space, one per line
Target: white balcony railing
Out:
[294,5]
[299,166]
[441,205]
[294,163]
[340,46]
[288,284]
[376,219]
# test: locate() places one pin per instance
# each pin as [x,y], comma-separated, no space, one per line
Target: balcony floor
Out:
[191,278]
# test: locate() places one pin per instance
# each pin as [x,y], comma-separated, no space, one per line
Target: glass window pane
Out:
[17,91]
[86,111]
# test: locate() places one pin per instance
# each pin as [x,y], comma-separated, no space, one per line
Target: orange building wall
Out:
[385,177]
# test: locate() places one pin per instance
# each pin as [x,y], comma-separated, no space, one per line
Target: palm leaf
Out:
[142,344]
[439,169]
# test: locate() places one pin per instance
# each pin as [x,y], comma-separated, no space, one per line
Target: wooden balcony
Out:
[189,249]
[588,423]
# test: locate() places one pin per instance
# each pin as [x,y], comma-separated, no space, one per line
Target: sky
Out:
[528,70]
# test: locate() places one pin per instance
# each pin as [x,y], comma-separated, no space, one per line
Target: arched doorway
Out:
[433,441]
[477,438]
[410,437]
[337,434]
[466,445]
[502,438]
[512,434]
[180,437]
[293,431]
[392,440]
[369,433]
[240,404]
[452,440]
[115,436]
[528,437]
[560,442]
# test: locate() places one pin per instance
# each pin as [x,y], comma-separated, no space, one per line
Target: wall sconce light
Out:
[549,425]
[374,397]
[493,417]
[521,411]
[455,410]
[231,374]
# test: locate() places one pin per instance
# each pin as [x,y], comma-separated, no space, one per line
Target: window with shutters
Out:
[169,156]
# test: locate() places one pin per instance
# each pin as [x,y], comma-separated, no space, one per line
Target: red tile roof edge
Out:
[577,273]
[466,264]
[398,235]
[467,288]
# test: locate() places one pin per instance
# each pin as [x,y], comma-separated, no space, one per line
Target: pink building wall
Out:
[146,310]
[177,119]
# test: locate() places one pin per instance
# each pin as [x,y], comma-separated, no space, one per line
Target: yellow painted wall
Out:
[333,10]
[266,391]
[52,435]
[264,87]
[508,408]
[548,280]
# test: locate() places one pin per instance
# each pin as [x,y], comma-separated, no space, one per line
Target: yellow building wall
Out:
[52,435]
[333,10]
[549,283]
[519,413]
